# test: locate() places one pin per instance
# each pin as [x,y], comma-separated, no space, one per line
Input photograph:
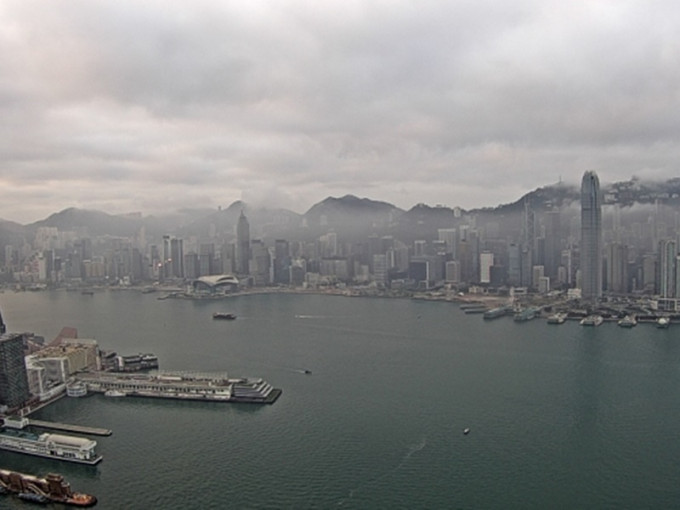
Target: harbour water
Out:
[559,416]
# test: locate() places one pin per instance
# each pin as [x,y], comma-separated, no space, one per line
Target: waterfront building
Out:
[485,264]
[591,237]
[617,268]
[667,268]
[242,245]
[14,390]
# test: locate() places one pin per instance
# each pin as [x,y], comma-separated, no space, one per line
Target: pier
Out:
[66,427]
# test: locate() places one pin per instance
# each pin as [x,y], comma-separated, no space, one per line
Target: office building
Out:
[591,237]
[13,379]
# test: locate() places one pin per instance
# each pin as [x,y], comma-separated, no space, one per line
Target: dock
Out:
[66,427]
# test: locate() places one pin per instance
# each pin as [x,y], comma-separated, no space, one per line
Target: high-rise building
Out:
[667,268]
[242,245]
[591,237]
[13,380]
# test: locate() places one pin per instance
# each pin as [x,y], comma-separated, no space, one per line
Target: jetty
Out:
[67,427]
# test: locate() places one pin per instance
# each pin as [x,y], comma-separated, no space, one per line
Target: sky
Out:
[155,106]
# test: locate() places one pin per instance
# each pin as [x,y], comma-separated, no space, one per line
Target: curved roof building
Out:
[220,283]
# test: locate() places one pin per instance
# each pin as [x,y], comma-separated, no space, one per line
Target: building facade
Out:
[591,237]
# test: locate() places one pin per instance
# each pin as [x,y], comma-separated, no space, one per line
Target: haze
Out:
[155,106]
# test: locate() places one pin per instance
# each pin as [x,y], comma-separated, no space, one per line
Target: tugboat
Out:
[224,316]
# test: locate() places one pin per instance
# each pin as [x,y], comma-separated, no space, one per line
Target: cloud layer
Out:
[153,106]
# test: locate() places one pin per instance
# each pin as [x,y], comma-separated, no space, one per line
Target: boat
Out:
[114,393]
[557,318]
[663,322]
[592,320]
[52,446]
[526,314]
[628,321]
[50,489]
[466,431]
[475,309]
[494,313]
[87,293]
[224,316]
[33,497]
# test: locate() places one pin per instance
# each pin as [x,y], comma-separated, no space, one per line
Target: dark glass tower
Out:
[591,237]
[242,245]
[13,380]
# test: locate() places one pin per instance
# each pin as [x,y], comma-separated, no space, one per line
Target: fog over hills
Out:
[348,216]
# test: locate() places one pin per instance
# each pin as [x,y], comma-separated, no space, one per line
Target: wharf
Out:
[94,431]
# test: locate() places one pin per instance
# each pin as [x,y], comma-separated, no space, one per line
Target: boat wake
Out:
[415,448]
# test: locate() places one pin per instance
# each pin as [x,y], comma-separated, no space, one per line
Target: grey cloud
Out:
[463,103]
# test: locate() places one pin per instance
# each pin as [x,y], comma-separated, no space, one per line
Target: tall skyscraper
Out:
[13,380]
[591,237]
[242,245]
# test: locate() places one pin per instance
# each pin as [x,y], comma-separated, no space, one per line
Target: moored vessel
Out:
[557,318]
[52,488]
[628,321]
[592,320]
[663,322]
[51,446]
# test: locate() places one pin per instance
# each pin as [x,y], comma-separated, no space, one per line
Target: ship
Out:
[50,489]
[494,313]
[592,320]
[557,318]
[224,316]
[52,446]
[663,322]
[526,314]
[628,321]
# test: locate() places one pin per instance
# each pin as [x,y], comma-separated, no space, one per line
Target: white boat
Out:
[628,321]
[592,320]
[557,318]
[114,393]
[663,322]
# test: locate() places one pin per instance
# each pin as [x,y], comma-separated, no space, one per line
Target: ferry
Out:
[628,321]
[592,320]
[663,322]
[557,318]
[51,446]
[50,489]
[224,316]
[526,315]
[494,313]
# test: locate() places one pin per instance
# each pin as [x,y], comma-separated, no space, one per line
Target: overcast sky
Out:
[152,106]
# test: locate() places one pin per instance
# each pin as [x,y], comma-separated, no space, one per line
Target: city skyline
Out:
[444,103]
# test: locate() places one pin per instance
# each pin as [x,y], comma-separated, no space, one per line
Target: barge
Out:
[50,489]
[51,446]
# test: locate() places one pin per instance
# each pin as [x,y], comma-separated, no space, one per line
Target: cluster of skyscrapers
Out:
[592,245]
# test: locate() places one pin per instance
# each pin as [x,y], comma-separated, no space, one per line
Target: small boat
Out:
[557,318]
[628,321]
[87,292]
[663,322]
[114,393]
[466,431]
[307,371]
[592,320]
[224,316]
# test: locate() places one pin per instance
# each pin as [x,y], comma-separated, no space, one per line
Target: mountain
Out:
[350,215]
[91,223]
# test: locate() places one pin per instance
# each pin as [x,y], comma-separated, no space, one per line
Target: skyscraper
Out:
[242,245]
[13,380]
[591,237]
